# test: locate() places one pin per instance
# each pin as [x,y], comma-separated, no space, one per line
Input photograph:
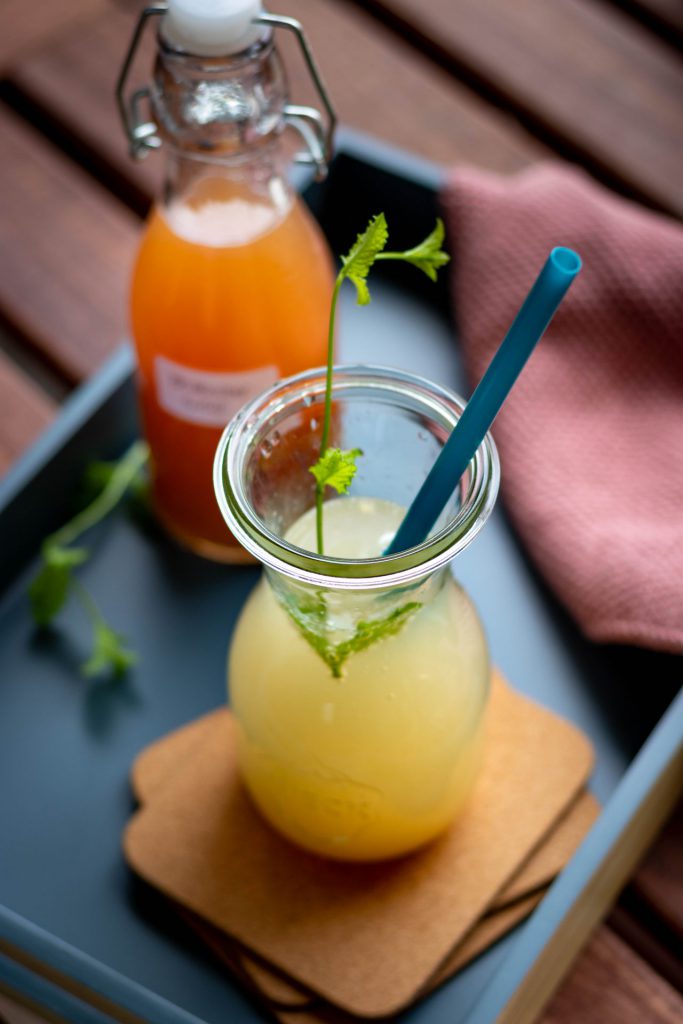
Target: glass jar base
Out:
[331,815]
[226,554]
[367,850]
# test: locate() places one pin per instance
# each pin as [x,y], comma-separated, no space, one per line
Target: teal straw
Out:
[539,307]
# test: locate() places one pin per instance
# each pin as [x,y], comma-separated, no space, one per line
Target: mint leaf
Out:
[366,633]
[362,290]
[356,266]
[48,591]
[109,654]
[96,478]
[336,468]
[428,256]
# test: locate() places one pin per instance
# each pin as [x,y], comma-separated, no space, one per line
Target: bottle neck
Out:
[220,108]
[225,203]
[257,176]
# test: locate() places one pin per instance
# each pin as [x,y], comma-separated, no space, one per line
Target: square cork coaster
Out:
[492,928]
[158,762]
[280,994]
[365,937]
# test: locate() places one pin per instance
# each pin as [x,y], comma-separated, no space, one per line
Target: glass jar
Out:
[359,684]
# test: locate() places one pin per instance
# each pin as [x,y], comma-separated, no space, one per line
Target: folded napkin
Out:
[591,438]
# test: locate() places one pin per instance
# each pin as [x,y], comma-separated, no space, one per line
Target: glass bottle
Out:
[232,284]
[359,683]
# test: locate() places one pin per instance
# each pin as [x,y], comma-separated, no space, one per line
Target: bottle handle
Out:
[308,123]
[307,120]
[140,132]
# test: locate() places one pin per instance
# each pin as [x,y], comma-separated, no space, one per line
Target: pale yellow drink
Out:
[379,761]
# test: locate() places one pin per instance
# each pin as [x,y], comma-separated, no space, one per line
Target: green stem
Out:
[319,519]
[394,255]
[327,419]
[121,479]
[90,608]
[330,359]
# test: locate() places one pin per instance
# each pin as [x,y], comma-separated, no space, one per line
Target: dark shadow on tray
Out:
[56,644]
[157,911]
[105,700]
[631,686]
[187,574]
[160,914]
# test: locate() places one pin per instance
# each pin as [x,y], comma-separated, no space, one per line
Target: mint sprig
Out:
[311,622]
[339,470]
[428,256]
[367,247]
[50,589]
[334,469]
[109,654]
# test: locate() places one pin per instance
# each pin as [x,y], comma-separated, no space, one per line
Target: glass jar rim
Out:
[405,567]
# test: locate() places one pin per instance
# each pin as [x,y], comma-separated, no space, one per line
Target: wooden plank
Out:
[610,984]
[659,879]
[67,252]
[669,11]
[665,16]
[584,75]
[12,1012]
[70,84]
[25,411]
[381,88]
[657,947]
[67,89]
[26,25]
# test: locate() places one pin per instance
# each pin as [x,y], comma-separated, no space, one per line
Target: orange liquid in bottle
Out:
[229,293]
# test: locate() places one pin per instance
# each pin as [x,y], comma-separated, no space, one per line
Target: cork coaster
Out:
[365,937]
[282,994]
[492,928]
[157,763]
[553,853]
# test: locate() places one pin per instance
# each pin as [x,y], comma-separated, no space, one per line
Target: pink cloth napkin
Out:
[591,438]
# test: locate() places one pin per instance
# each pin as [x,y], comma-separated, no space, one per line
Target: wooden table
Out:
[493,83]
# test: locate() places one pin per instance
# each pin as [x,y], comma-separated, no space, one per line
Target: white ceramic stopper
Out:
[212,28]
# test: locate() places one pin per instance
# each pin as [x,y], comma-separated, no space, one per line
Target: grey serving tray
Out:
[79,935]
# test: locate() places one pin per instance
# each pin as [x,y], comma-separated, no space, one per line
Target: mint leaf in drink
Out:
[311,623]
[336,468]
[356,266]
[48,591]
[368,633]
[109,654]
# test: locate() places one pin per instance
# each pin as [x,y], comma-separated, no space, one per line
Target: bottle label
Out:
[206,398]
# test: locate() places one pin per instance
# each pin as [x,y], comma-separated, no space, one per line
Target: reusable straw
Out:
[538,309]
